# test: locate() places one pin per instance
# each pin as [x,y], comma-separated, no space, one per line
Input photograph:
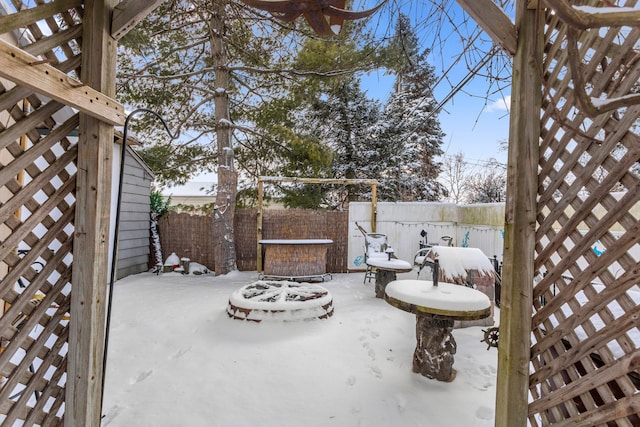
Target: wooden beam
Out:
[127,14]
[494,21]
[318,180]
[25,17]
[29,71]
[520,224]
[259,227]
[83,398]
[374,207]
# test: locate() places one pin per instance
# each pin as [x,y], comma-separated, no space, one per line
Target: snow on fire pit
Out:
[280,300]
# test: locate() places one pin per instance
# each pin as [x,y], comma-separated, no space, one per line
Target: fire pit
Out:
[280,300]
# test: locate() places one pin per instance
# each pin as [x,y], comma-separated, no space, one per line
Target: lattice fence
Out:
[585,336]
[37,191]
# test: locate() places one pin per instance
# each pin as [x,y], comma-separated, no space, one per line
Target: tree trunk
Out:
[224,236]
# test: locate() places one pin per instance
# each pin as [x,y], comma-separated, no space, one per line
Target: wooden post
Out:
[259,225]
[91,237]
[520,224]
[374,207]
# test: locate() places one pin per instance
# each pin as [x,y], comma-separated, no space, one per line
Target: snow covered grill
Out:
[280,300]
[466,266]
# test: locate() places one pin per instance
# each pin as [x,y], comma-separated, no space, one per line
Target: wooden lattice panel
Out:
[585,337]
[38,153]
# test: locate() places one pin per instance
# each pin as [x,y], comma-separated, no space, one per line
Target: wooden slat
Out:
[29,156]
[49,43]
[24,69]
[585,347]
[29,16]
[128,13]
[13,133]
[605,413]
[36,218]
[13,204]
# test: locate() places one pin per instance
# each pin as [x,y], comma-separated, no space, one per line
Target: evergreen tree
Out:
[344,119]
[323,123]
[410,123]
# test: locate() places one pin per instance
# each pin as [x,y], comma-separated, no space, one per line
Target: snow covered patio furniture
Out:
[295,259]
[467,267]
[280,300]
[375,247]
[436,308]
[385,270]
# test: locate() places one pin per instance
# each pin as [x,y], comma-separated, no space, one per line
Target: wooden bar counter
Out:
[295,258]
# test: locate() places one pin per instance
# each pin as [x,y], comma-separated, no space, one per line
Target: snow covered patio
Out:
[176,358]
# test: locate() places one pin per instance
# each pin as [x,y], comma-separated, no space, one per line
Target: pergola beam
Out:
[494,21]
[127,14]
[26,70]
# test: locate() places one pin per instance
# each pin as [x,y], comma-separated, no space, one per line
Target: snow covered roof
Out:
[191,188]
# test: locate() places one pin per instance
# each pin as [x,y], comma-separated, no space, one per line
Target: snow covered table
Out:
[386,270]
[436,307]
[295,258]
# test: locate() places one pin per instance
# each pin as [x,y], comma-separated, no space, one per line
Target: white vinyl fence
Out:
[475,226]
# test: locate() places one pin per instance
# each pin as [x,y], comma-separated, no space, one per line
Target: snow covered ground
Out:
[177,359]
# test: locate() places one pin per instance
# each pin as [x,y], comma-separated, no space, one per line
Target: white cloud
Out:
[501,104]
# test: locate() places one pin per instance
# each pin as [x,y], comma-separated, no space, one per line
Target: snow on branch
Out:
[591,107]
[582,18]
[585,17]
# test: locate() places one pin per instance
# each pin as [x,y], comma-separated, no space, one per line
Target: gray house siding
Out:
[133,247]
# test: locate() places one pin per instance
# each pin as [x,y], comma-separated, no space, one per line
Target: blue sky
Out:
[476,118]
[471,127]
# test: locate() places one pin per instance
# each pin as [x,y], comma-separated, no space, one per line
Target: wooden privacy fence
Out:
[191,236]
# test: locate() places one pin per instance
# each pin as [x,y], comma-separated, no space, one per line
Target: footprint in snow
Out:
[143,376]
[376,371]
[484,413]
[110,415]
[180,353]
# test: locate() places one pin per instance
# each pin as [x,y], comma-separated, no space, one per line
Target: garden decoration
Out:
[436,307]
[280,300]
[324,16]
[491,337]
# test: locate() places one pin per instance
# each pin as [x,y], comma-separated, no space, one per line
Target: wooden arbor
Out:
[57,74]
[569,343]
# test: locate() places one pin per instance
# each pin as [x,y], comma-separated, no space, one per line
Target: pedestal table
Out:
[436,307]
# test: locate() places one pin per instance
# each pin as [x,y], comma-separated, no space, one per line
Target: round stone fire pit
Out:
[280,300]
